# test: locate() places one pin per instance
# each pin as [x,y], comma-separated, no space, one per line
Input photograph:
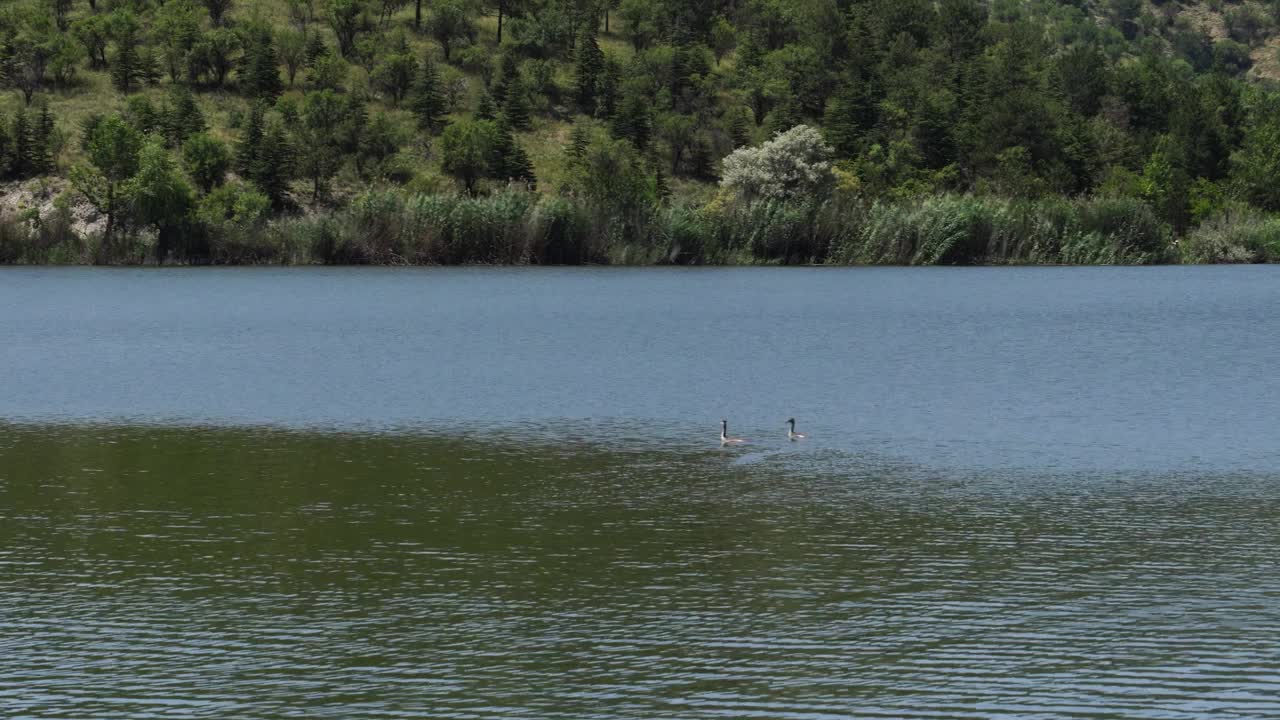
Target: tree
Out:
[182,117]
[794,164]
[301,13]
[293,52]
[427,100]
[126,67]
[177,30]
[640,18]
[394,76]
[515,107]
[633,121]
[61,9]
[261,75]
[207,161]
[509,160]
[346,17]
[94,33]
[1256,165]
[723,38]
[466,150]
[377,143]
[213,56]
[508,72]
[113,149]
[485,109]
[217,10]
[588,70]
[328,72]
[451,24]
[318,148]
[272,167]
[159,195]
[30,139]
[679,132]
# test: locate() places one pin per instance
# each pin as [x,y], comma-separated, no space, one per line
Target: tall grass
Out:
[1239,235]
[387,227]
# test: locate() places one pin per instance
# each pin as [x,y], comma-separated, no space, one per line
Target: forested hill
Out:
[638,131]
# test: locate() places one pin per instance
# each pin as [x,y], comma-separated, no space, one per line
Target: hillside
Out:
[599,130]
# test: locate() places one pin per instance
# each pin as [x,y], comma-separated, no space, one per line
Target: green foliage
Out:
[113,148]
[427,98]
[588,71]
[394,76]
[451,24]
[260,78]
[207,161]
[466,149]
[346,18]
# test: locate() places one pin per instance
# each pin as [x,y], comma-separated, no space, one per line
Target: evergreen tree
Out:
[271,169]
[251,144]
[182,117]
[607,93]
[261,78]
[516,107]
[510,161]
[427,99]
[508,73]
[21,156]
[579,140]
[485,109]
[125,69]
[316,48]
[42,161]
[850,114]
[589,67]
[633,121]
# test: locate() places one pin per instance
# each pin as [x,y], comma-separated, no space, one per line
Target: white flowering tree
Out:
[794,164]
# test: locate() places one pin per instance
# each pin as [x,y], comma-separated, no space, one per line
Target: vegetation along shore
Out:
[639,131]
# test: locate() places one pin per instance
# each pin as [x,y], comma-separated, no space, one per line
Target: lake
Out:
[499,493]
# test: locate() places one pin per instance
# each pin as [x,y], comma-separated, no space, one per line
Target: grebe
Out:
[724,435]
[792,435]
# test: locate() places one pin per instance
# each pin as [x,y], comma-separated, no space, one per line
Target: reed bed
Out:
[389,227]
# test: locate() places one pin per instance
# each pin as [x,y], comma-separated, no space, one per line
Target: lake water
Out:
[498,493]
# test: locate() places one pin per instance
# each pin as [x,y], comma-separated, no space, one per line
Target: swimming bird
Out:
[724,435]
[792,435]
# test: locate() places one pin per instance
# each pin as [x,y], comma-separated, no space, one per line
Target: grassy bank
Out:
[517,227]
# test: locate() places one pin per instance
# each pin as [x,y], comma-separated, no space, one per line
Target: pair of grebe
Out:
[725,439]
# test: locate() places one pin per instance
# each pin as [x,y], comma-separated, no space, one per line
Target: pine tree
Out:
[148,66]
[271,168]
[850,114]
[6,150]
[251,143]
[21,155]
[607,93]
[661,190]
[485,109]
[426,99]
[633,122]
[508,73]
[42,162]
[588,70]
[124,67]
[579,140]
[516,106]
[182,117]
[262,68]
[315,48]
[510,161]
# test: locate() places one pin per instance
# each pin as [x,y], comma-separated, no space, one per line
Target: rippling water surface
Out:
[261,495]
